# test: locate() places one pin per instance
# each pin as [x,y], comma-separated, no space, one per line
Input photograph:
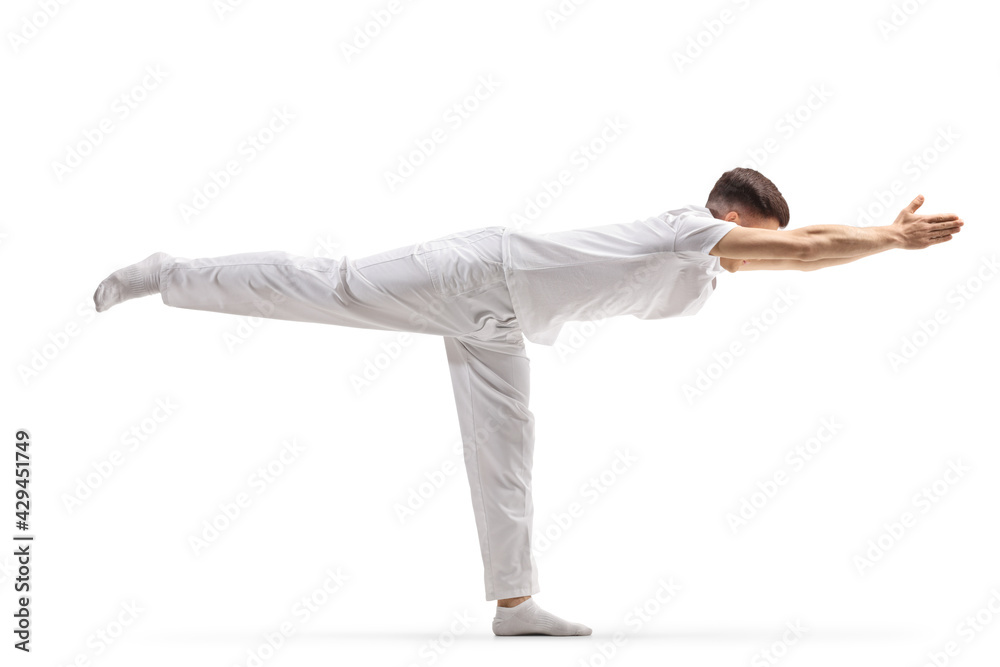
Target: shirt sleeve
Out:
[699,232]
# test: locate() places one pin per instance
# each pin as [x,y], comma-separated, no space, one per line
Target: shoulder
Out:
[685,212]
[696,229]
[694,219]
[690,209]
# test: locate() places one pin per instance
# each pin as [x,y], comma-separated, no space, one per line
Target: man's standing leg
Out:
[491,394]
[491,386]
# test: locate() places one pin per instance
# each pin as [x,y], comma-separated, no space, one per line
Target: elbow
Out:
[805,250]
[798,245]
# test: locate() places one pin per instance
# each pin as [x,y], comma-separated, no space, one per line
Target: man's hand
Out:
[920,231]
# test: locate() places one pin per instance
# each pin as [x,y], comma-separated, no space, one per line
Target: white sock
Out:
[139,279]
[528,618]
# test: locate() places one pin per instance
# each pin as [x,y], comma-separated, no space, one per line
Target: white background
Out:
[78,380]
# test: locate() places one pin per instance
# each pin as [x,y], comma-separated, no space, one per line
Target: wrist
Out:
[891,236]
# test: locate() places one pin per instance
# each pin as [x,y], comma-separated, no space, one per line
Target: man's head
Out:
[748,198]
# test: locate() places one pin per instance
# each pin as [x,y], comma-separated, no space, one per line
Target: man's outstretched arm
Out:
[825,242]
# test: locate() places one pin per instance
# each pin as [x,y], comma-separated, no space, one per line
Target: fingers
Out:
[940,228]
[940,232]
[915,204]
[940,217]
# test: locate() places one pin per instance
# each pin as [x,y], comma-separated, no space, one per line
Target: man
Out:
[485,290]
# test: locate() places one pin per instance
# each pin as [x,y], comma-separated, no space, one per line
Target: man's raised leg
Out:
[391,290]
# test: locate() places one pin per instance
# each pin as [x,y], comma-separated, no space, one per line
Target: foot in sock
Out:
[139,279]
[528,618]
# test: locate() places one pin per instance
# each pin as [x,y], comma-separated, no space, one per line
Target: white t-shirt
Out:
[653,268]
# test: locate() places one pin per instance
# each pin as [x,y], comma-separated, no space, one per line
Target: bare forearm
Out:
[833,261]
[794,264]
[826,242]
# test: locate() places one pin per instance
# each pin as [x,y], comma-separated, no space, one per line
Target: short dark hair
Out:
[748,191]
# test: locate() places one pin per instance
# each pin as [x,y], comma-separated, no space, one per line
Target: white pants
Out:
[453,287]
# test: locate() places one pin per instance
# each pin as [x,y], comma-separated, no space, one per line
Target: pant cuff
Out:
[516,593]
[165,277]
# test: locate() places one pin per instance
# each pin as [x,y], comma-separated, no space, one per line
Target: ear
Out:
[732,216]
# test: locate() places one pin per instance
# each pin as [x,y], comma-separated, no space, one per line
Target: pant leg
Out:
[393,290]
[491,387]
